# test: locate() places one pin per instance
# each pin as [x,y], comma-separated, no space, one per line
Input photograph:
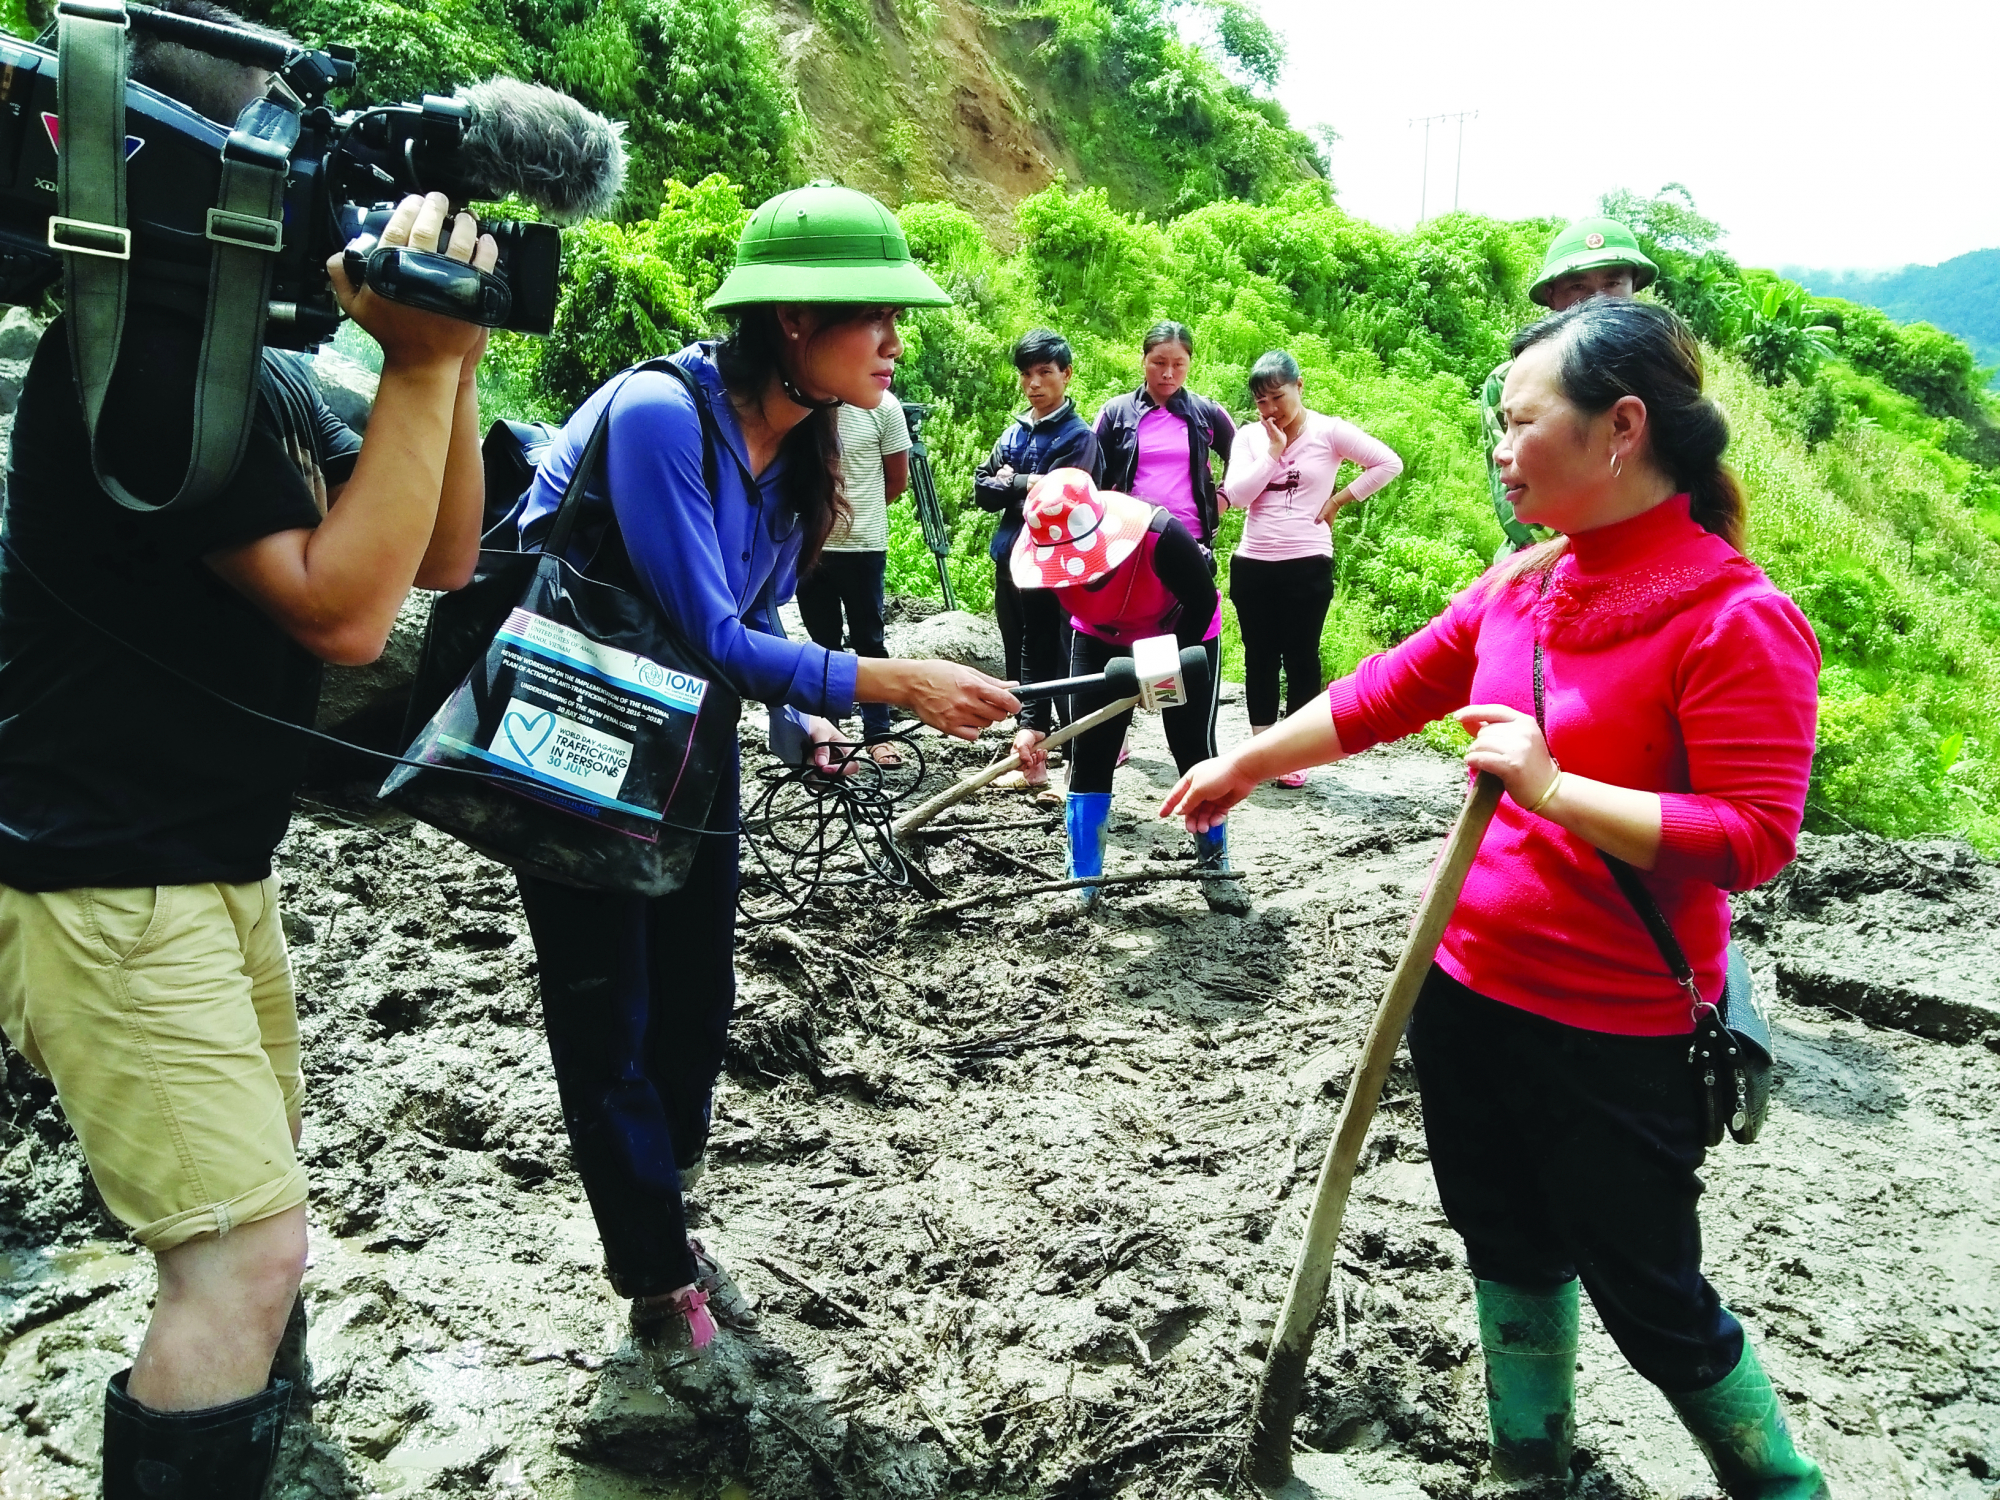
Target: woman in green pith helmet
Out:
[637,992]
[1590,258]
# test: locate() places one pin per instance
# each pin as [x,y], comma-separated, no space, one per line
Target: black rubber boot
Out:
[218,1453]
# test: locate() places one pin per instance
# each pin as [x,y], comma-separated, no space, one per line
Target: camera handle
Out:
[433,283]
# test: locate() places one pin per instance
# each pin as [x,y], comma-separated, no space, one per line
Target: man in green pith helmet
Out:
[1595,257]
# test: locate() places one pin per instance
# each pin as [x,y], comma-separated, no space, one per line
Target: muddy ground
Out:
[1017,1192]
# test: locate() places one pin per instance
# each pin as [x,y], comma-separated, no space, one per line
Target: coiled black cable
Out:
[806,830]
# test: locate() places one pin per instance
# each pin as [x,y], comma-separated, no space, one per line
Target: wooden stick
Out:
[1010,825]
[799,1279]
[1135,877]
[1278,1393]
[956,793]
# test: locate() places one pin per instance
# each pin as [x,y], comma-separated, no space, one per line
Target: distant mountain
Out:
[1962,296]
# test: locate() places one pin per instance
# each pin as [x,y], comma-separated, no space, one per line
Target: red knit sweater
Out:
[1670,664]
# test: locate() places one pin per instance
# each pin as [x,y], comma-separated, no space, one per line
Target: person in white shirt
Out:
[1285,475]
[875,467]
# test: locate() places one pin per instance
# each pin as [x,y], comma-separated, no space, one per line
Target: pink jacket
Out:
[1283,495]
[1670,664]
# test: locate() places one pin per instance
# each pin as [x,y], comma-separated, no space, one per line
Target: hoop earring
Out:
[1617,466]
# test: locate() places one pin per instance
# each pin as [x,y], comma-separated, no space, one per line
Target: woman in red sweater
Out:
[1677,700]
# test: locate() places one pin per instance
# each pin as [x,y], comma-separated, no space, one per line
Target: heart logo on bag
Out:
[538,729]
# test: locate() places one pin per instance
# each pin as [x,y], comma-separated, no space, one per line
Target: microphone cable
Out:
[807,830]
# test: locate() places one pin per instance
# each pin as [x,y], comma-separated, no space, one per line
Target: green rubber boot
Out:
[1741,1428]
[1529,1339]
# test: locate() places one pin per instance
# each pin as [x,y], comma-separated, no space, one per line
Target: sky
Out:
[1826,136]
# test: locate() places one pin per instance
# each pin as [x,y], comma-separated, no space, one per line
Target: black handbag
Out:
[598,735]
[1731,1051]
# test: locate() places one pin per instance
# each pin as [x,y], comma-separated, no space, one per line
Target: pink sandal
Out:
[1292,779]
[674,1319]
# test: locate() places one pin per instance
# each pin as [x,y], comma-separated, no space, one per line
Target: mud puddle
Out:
[1016,1193]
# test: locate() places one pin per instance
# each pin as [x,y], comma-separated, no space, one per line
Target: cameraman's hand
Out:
[408,336]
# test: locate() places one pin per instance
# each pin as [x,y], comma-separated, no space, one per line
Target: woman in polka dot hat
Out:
[1122,570]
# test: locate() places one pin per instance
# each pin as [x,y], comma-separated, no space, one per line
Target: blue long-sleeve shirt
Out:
[718,566]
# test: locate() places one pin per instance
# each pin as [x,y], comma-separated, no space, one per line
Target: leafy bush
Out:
[634,291]
[1881,764]
[1855,614]
[1783,338]
[1414,577]
[408,48]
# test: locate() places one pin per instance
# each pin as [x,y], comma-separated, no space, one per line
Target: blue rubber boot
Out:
[1087,816]
[1741,1428]
[1211,851]
[1529,1339]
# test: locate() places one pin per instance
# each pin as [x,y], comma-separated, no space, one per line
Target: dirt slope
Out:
[1017,1193]
[928,107]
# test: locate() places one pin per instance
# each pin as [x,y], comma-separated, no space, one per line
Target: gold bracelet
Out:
[1543,801]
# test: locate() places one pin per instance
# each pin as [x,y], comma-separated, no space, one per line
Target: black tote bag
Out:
[597,733]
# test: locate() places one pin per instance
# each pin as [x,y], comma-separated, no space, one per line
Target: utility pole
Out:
[1459,171]
[1424,193]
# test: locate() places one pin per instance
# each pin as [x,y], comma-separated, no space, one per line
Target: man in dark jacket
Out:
[1049,435]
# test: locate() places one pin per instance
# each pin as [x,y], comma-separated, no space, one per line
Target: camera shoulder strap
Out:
[245,232]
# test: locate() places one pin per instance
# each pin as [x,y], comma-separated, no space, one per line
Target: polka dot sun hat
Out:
[1074,533]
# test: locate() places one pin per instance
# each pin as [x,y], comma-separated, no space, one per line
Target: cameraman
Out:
[142,964]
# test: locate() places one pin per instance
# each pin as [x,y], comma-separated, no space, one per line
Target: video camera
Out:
[341,175]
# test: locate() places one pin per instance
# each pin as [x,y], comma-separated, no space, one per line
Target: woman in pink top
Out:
[1158,440]
[1281,574]
[1678,688]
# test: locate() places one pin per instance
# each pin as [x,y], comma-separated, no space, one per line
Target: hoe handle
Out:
[1291,1345]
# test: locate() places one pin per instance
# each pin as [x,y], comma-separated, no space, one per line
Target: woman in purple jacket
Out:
[1157,440]
[636,991]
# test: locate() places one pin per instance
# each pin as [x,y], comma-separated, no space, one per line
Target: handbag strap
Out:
[556,540]
[1627,879]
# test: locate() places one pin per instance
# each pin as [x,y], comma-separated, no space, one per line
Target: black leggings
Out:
[1094,753]
[1561,1152]
[1281,609]
[636,997]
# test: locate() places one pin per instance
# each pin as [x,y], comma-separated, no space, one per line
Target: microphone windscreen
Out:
[1121,677]
[544,146]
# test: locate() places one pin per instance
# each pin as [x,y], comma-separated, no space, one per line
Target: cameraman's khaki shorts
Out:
[164,1015]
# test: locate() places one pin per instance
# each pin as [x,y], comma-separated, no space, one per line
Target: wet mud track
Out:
[1016,1192]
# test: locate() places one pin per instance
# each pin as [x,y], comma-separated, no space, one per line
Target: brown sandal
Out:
[886,755]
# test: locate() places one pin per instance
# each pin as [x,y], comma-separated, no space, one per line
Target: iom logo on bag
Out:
[678,688]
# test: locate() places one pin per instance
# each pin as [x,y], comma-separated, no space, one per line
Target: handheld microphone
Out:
[1120,676]
[1160,673]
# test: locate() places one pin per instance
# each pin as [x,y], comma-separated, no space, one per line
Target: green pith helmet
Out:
[1587,244]
[822,243]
